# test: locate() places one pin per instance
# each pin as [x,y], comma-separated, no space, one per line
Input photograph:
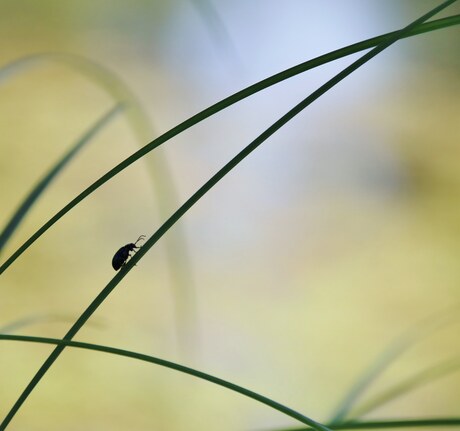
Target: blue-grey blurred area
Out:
[339,234]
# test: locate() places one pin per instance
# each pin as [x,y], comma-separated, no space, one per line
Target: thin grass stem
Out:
[418,332]
[176,248]
[387,423]
[219,106]
[172,365]
[428,375]
[348,425]
[38,190]
[199,194]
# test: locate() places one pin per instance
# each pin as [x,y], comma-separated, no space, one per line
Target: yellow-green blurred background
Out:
[338,235]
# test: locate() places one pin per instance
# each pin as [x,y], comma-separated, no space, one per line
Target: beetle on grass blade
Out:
[122,255]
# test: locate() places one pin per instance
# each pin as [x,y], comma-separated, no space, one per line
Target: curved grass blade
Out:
[174,366]
[424,377]
[32,320]
[349,425]
[20,323]
[248,91]
[401,423]
[388,423]
[415,334]
[201,192]
[180,268]
[41,186]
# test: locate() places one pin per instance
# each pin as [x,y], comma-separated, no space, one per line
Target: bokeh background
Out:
[338,235]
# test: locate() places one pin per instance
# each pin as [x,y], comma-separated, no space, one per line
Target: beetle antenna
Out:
[142,237]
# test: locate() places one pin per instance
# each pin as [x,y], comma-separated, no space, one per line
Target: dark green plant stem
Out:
[200,193]
[168,364]
[387,423]
[40,187]
[240,95]
[349,425]
[403,423]
[176,248]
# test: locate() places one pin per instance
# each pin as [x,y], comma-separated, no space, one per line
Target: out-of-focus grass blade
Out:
[217,28]
[180,268]
[26,321]
[420,331]
[36,319]
[387,423]
[174,366]
[424,377]
[219,106]
[41,186]
[401,423]
[203,190]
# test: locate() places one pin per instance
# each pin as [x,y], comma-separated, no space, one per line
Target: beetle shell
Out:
[122,255]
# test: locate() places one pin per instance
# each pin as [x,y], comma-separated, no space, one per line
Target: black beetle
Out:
[122,255]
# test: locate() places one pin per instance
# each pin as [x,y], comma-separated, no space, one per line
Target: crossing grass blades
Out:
[124,258]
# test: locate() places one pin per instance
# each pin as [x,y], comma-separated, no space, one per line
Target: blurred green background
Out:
[338,235]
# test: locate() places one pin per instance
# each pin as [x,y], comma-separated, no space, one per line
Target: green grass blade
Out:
[21,323]
[424,377]
[174,366]
[402,423]
[387,423]
[349,425]
[389,356]
[334,55]
[42,185]
[176,248]
[200,193]
[33,320]
[421,330]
